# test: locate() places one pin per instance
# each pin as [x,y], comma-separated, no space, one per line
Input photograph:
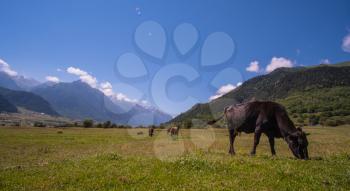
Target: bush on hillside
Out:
[88,123]
[107,124]
[39,124]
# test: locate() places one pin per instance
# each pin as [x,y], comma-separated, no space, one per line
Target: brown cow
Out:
[265,117]
[173,131]
[168,130]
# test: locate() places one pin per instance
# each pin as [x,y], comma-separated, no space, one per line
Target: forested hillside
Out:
[317,94]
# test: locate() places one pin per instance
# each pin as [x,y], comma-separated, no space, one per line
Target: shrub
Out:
[323,120]
[328,114]
[339,120]
[88,123]
[347,119]
[300,120]
[39,124]
[107,124]
[188,124]
[330,122]
[314,120]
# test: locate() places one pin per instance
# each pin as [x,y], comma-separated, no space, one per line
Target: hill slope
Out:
[17,82]
[326,106]
[76,100]
[277,85]
[26,100]
[7,81]
[6,106]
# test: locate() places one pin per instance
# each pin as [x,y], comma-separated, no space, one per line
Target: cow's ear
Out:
[295,134]
[299,129]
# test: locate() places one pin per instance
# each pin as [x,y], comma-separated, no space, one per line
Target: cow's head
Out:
[298,143]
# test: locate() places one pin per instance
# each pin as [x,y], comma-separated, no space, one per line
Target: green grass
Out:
[122,159]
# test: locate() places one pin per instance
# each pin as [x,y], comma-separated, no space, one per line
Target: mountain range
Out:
[75,100]
[316,94]
[78,100]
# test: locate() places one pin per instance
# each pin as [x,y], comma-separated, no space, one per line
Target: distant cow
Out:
[269,118]
[140,133]
[173,131]
[168,130]
[151,131]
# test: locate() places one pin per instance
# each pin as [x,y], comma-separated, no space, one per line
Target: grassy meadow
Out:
[127,159]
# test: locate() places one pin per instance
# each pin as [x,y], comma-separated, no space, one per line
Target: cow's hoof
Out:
[231,153]
[252,154]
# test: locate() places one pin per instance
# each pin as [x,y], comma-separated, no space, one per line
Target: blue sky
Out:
[39,37]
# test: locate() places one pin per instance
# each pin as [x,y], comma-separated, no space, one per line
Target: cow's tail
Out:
[216,120]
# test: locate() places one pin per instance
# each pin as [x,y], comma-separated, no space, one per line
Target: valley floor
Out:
[127,159]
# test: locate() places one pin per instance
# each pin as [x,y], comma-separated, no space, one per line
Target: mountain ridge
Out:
[27,100]
[276,85]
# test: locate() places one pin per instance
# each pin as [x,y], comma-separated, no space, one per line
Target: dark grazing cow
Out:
[265,117]
[151,131]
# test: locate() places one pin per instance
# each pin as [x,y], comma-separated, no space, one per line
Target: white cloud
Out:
[278,63]
[123,97]
[84,76]
[106,88]
[76,71]
[106,85]
[253,66]
[92,81]
[325,61]
[346,43]
[144,102]
[4,67]
[53,79]
[223,90]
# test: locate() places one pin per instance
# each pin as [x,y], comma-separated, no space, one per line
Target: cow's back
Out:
[240,117]
[243,117]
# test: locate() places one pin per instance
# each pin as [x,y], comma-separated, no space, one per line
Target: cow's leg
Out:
[232,135]
[257,136]
[272,145]
[259,126]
